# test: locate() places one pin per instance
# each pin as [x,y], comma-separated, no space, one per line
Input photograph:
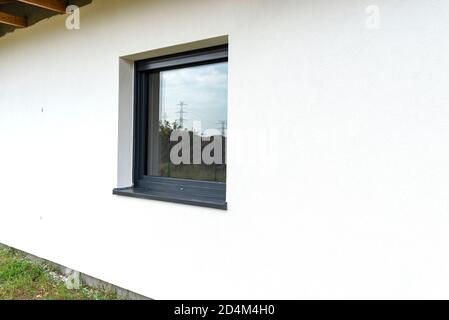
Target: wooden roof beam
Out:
[8,19]
[53,5]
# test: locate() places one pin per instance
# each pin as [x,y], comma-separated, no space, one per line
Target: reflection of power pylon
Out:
[181,112]
[223,127]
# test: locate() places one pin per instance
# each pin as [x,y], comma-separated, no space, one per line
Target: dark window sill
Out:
[170,197]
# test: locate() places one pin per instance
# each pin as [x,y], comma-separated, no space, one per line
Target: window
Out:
[180,134]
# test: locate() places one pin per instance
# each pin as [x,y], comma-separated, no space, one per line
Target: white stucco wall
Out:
[349,196]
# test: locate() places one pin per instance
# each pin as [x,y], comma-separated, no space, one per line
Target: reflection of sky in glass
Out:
[204,90]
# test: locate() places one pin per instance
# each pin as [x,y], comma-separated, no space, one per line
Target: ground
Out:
[21,279]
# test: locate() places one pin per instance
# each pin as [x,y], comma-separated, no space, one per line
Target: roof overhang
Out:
[19,14]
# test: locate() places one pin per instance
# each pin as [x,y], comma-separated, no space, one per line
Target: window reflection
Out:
[189,106]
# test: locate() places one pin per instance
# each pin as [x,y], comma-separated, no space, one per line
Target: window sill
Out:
[170,197]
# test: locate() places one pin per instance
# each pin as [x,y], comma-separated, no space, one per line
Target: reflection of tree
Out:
[214,172]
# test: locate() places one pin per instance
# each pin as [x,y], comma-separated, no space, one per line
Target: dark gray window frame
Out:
[192,192]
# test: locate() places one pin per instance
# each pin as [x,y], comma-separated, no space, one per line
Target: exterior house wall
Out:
[338,180]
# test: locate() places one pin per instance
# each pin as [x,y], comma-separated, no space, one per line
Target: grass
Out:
[21,279]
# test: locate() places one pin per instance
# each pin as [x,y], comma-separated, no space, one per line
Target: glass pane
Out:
[191,107]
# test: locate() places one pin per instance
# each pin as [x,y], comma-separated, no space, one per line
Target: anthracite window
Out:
[180,128]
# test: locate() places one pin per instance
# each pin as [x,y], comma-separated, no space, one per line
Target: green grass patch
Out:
[21,279]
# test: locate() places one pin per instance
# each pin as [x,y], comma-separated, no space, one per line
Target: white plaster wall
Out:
[349,196]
